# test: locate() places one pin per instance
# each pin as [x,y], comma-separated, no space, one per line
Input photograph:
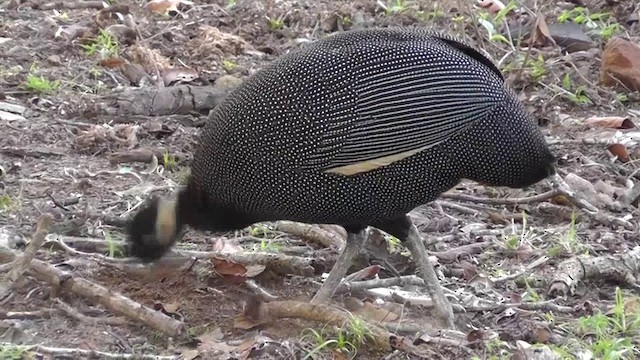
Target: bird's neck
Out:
[197,210]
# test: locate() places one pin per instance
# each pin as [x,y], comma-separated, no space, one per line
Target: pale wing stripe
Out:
[397,133]
[429,114]
[377,146]
[369,148]
[427,71]
[384,121]
[368,97]
[425,95]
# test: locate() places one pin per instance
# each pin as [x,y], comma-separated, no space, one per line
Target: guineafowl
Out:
[356,129]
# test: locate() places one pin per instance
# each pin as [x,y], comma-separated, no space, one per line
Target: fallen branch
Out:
[624,267]
[138,155]
[354,286]
[22,263]
[452,255]
[67,309]
[278,263]
[530,306]
[310,232]
[107,298]
[88,354]
[23,315]
[503,201]
[270,311]
[60,5]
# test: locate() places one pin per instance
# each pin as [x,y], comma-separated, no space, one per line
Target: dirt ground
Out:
[59,157]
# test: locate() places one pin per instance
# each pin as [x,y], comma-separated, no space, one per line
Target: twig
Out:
[310,232]
[88,319]
[106,297]
[278,263]
[88,354]
[452,255]
[22,315]
[21,265]
[457,207]
[504,201]
[271,311]
[624,267]
[259,291]
[530,306]
[354,286]
[530,267]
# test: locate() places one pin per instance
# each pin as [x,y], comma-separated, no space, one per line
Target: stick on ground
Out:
[326,314]
[22,263]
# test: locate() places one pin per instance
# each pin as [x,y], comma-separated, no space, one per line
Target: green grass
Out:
[39,84]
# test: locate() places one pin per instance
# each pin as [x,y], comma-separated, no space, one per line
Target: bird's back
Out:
[359,126]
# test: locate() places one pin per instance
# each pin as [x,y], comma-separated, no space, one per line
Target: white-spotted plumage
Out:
[272,148]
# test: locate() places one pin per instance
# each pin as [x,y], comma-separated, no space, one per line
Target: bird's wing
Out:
[406,106]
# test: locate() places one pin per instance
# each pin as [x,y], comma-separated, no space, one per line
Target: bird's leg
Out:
[345,260]
[407,232]
[444,311]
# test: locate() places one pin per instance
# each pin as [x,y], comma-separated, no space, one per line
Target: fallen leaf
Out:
[377,314]
[493,6]
[620,151]
[541,35]
[212,341]
[541,334]
[468,270]
[516,298]
[612,122]
[244,323]
[367,273]
[179,74]
[477,334]
[162,6]
[172,307]
[561,200]
[222,245]
[190,354]
[112,63]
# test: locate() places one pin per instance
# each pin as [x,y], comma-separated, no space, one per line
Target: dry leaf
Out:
[171,307]
[226,267]
[468,270]
[181,74]
[561,200]
[476,335]
[162,6]
[620,151]
[516,298]
[367,273]
[541,35]
[377,314]
[222,245]
[112,63]
[541,334]
[612,122]
[190,354]
[244,323]
[493,6]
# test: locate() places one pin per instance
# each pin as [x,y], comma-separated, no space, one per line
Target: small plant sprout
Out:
[275,24]
[39,84]
[105,45]
[229,65]
[392,7]
[169,161]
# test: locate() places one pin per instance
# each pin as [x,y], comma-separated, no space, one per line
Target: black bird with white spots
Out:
[356,129]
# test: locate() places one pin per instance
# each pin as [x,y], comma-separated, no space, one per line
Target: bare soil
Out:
[54,157]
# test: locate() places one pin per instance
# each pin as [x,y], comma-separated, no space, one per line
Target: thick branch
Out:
[624,267]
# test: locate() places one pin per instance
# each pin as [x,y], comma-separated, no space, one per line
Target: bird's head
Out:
[154,229]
